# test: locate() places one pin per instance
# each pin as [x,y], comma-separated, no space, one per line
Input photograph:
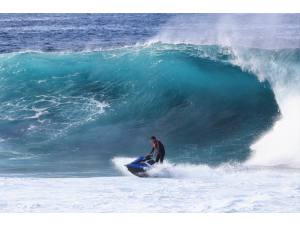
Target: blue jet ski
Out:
[140,166]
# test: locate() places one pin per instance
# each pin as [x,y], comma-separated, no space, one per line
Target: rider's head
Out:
[152,139]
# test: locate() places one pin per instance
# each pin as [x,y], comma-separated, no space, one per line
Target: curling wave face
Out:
[63,112]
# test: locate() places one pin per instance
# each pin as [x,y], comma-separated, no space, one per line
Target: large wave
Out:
[76,111]
[215,89]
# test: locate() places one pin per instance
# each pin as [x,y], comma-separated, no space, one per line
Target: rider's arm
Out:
[154,146]
[152,151]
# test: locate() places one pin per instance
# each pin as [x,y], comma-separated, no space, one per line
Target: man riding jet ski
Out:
[141,165]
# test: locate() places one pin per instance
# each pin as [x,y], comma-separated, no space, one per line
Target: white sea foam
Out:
[281,145]
[38,113]
[192,189]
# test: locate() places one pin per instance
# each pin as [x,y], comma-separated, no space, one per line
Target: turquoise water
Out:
[74,112]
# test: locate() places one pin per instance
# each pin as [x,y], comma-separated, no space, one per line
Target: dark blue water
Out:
[76,32]
[78,90]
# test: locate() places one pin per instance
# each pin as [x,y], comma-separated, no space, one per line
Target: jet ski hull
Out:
[141,166]
[137,172]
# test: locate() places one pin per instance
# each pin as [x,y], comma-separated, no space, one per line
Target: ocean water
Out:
[80,95]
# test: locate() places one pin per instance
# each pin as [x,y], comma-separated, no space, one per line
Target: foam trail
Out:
[181,170]
[167,169]
[170,170]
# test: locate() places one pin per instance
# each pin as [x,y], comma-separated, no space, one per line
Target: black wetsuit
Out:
[160,151]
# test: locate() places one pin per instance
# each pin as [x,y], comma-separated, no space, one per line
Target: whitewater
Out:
[221,91]
[220,190]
